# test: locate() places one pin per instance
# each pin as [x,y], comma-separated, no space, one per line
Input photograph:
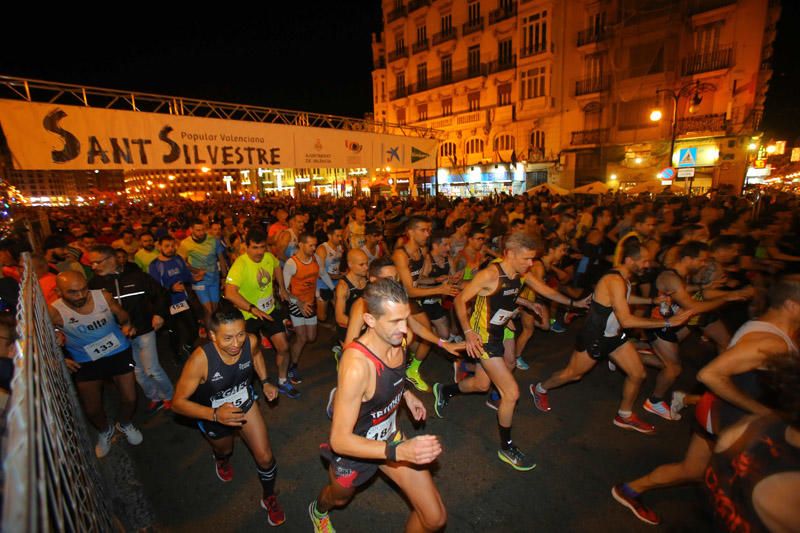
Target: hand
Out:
[306,308]
[178,287]
[61,339]
[538,308]
[660,299]
[582,304]
[454,347]
[157,322]
[198,275]
[681,318]
[128,330]
[446,289]
[420,450]
[72,366]
[230,415]
[258,313]
[416,407]
[270,391]
[283,295]
[474,345]
[746,293]
[441,279]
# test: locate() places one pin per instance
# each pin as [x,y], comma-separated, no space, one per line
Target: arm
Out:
[320,256]
[619,304]
[278,275]
[672,285]
[260,368]
[485,280]
[281,244]
[123,317]
[400,259]
[194,373]
[543,289]
[356,321]
[420,330]
[339,304]
[289,270]
[751,352]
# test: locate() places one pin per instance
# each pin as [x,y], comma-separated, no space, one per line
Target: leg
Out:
[300,336]
[281,345]
[424,348]
[151,367]
[543,322]
[499,374]
[126,385]
[667,352]
[528,323]
[255,436]
[221,448]
[333,494]
[627,358]
[718,333]
[322,309]
[143,378]
[427,509]
[579,364]
[91,396]
[442,327]
[690,469]
[480,382]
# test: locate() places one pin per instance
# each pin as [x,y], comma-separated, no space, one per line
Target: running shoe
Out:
[455,338]
[294,375]
[493,401]
[337,353]
[321,521]
[514,457]
[224,469]
[636,506]
[275,514]
[289,390]
[522,364]
[329,407]
[659,408]
[439,399]
[677,404]
[540,399]
[167,405]
[133,435]
[557,327]
[460,371]
[155,406]
[104,442]
[413,377]
[569,316]
[633,423]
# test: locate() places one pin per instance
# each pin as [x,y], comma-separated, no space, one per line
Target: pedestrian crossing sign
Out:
[687,157]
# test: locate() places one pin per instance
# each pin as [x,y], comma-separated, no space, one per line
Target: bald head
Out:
[73,288]
[357,262]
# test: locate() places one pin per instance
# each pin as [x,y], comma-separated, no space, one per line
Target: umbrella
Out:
[596,187]
[552,189]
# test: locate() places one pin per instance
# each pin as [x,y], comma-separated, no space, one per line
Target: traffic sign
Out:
[686,172]
[667,174]
[687,157]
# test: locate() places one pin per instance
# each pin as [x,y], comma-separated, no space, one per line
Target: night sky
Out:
[306,55]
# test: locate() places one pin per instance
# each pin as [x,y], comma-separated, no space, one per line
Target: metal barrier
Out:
[51,474]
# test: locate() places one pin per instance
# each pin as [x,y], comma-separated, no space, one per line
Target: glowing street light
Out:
[656,115]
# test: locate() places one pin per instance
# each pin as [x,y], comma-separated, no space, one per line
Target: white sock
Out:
[540,389]
[624,414]
[281,381]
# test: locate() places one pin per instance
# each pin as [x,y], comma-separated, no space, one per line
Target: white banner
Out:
[60,137]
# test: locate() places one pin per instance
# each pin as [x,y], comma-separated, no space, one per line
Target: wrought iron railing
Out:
[701,123]
[597,136]
[396,13]
[592,85]
[398,53]
[591,35]
[472,26]
[502,13]
[708,61]
[420,46]
[443,36]
[413,5]
[534,49]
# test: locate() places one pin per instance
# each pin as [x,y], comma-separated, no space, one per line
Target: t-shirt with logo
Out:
[254,281]
[170,272]
[143,258]
[201,255]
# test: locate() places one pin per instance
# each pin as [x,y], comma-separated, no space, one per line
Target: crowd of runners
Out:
[394,282]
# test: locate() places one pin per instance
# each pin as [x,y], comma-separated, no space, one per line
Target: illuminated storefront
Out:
[481,180]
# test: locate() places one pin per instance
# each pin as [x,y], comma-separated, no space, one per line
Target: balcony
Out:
[399,53]
[472,26]
[420,46]
[592,85]
[395,14]
[500,65]
[482,69]
[700,6]
[536,49]
[591,35]
[502,13]
[701,123]
[413,5]
[697,63]
[443,36]
[598,136]
[380,62]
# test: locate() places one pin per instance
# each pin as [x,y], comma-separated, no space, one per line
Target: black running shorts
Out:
[106,367]
[599,347]
[268,328]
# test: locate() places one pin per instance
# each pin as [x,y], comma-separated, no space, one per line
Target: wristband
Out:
[215,414]
[441,342]
[391,450]
[468,331]
[265,381]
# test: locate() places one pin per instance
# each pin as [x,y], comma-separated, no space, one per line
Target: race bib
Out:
[100,348]
[501,317]
[384,430]
[266,304]
[179,307]
[199,287]
[237,397]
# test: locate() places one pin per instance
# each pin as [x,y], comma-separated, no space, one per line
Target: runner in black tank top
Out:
[364,436]
[353,294]
[215,388]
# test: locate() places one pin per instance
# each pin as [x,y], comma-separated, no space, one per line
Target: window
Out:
[474,101]
[447,107]
[504,94]
[400,83]
[537,141]
[597,23]
[422,34]
[447,69]
[422,111]
[474,60]
[634,114]
[474,146]
[399,42]
[593,116]
[447,149]
[504,52]
[532,83]
[422,76]
[474,13]
[503,142]
[706,38]
[447,24]
[534,33]
[593,67]
[647,58]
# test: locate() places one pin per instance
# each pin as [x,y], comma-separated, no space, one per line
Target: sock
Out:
[540,389]
[281,381]
[223,458]
[451,390]
[628,491]
[317,512]
[656,399]
[267,478]
[413,366]
[505,436]
[624,414]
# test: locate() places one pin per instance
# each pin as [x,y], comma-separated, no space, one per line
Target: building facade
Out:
[562,91]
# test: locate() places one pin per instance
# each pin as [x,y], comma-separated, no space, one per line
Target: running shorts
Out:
[599,347]
[106,367]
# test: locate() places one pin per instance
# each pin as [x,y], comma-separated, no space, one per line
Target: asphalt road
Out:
[579,453]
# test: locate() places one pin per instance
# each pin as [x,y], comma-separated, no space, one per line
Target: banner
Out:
[61,137]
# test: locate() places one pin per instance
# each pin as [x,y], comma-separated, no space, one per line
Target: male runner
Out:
[603,336]
[410,261]
[286,241]
[147,252]
[249,287]
[300,277]
[496,291]
[204,254]
[347,292]
[96,331]
[364,436]
[438,269]
[216,388]
[329,258]
[734,379]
